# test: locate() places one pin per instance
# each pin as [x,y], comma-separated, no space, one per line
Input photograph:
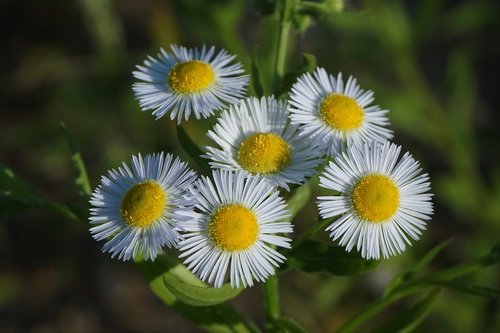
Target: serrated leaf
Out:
[299,199]
[192,149]
[221,318]
[82,180]
[407,320]
[314,256]
[308,64]
[409,272]
[286,325]
[256,79]
[197,295]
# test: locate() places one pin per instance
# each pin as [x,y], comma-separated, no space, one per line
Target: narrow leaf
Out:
[256,80]
[192,149]
[10,183]
[485,292]
[81,180]
[299,199]
[286,325]
[407,274]
[314,256]
[196,295]
[221,318]
[409,319]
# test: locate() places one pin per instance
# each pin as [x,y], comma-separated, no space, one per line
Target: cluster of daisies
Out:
[229,225]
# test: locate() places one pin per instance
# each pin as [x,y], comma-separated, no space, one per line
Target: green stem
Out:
[321,225]
[271,299]
[284,10]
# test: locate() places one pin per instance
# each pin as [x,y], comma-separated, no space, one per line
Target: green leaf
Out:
[11,184]
[221,318]
[299,199]
[409,319]
[314,256]
[192,149]
[10,205]
[308,64]
[196,295]
[407,274]
[81,180]
[480,291]
[286,325]
[256,80]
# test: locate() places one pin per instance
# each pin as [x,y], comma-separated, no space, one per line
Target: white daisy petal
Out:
[335,115]
[186,81]
[232,231]
[382,203]
[137,208]
[255,136]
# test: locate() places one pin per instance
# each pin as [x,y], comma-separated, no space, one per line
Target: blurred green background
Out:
[433,63]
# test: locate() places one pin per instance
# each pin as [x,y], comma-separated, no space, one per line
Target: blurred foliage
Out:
[433,63]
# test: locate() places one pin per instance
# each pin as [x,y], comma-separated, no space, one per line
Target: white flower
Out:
[255,136]
[189,80]
[233,229]
[137,208]
[334,114]
[382,200]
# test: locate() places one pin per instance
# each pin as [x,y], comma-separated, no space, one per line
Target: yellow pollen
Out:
[263,153]
[191,76]
[143,204]
[341,112]
[233,228]
[375,198]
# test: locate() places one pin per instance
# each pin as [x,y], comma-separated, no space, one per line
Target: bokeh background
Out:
[433,63]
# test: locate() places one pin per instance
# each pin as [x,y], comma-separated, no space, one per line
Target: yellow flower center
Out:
[191,76]
[233,228]
[375,198]
[143,204]
[341,112]
[263,153]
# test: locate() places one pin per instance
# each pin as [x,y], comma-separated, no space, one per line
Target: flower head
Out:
[335,114]
[233,227]
[255,136]
[189,80]
[137,208]
[382,200]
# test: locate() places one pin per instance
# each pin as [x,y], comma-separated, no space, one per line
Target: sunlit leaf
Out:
[81,180]
[407,320]
[197,295]
[221,318]
[314,256]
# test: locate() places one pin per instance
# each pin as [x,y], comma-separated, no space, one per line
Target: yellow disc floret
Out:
[375,198]
[191,76]
[263,153]
[143,204]
[233,228]
[341,112]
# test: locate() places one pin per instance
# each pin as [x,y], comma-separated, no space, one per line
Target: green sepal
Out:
[408,319]
[314,256]
[220,318]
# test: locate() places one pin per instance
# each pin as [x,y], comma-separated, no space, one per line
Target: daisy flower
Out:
[136,209]
[255,136]
[189,80]
[335,114]
[383,201]
[233,229]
